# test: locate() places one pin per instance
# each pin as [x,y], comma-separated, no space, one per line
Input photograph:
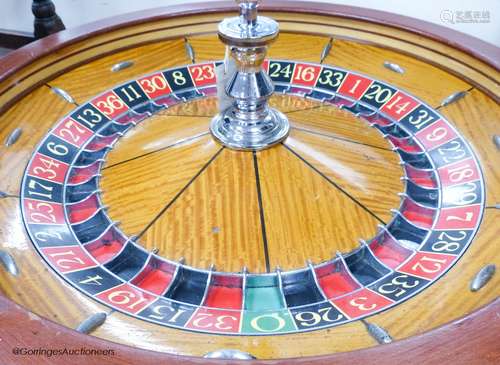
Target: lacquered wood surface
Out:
[425,48]
[321,192]
[304,212]
[35,286]
[34,333]
[476,116]
[34,124]
[371,176]
[444,301]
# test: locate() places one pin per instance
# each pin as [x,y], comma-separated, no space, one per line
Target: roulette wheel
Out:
[186,185]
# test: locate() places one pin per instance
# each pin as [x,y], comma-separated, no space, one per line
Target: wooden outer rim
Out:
[18,59]
[472,340]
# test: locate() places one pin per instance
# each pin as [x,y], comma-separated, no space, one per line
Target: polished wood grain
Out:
[451,294]
[216,220]
[35,286]
[467,46]
[330,121]
[444,301]
[421,79]
[95,77]
[208,107]
[305,47]
[431,52]
[427,82]
[449,299]
[159,132]
[35,115]
[306,216]
[138,190]
[70,52]
[442,295]
[476,117]
[77,54]
[369,175]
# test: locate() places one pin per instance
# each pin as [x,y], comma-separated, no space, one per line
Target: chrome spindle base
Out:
[249,123]
[248,135]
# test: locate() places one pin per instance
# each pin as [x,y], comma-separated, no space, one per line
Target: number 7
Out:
[468,217]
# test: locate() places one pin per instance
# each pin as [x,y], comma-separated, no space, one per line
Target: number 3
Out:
[355,303]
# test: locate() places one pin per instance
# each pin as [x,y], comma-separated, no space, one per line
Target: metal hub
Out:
[249,123]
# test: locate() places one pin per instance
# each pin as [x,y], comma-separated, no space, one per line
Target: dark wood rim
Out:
[472,340]
[479,49]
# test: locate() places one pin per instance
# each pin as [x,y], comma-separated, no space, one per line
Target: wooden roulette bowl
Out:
[372,119]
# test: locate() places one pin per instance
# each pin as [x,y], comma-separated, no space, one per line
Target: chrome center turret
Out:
[249,123]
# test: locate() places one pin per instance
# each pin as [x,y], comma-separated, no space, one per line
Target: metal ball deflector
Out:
[249,123]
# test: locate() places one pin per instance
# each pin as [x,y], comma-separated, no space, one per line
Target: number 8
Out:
[179,78]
